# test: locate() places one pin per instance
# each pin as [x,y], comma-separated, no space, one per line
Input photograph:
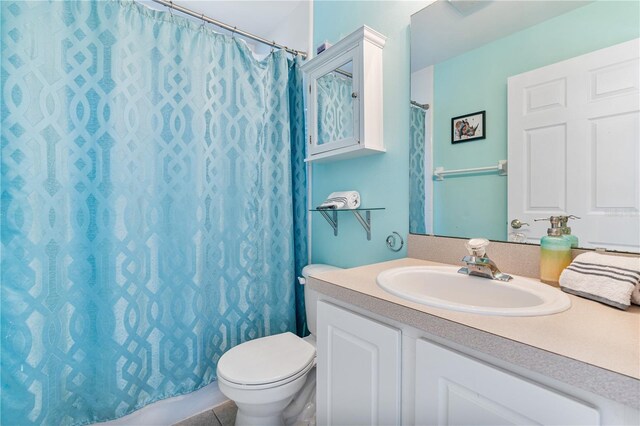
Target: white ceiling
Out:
[262,18]
[445,29]
[258,17]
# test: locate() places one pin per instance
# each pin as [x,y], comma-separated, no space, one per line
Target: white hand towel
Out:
[341,200]
[606,279]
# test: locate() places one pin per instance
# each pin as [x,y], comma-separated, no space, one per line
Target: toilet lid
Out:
[266,360]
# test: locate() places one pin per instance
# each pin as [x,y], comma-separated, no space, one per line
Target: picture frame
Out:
[468,127]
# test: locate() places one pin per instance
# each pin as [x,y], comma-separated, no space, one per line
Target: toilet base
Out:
[301,411]
[261,415]
[262,407]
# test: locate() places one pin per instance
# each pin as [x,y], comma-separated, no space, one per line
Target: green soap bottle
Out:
[555,252]
[566,231]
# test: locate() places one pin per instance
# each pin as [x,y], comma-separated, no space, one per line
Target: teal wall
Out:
[381,179]
[477,80]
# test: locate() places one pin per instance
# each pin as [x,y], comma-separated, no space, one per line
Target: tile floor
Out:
[221,415]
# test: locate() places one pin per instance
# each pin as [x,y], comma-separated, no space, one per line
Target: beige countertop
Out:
[590,339]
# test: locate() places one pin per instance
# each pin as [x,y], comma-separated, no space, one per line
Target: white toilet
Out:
[263,376]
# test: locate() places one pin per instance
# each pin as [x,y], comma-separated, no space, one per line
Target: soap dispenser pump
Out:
[517,236]
[555,252]
[566,230]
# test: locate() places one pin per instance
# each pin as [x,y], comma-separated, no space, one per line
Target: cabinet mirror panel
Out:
[335,105]
[551,92]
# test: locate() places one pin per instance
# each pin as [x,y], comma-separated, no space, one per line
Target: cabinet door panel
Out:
[358,372]
[335,122]
[452,389]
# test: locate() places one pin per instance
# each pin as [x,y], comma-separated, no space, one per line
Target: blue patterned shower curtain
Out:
[417,214]
[153,211]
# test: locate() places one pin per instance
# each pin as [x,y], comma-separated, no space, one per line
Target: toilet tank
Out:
[311,296]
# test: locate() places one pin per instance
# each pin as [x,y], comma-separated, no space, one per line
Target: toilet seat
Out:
[266,362]
[270,385]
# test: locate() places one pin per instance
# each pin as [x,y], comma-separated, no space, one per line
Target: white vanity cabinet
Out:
[453,389]
[358,371]
[375,371]
[344,98]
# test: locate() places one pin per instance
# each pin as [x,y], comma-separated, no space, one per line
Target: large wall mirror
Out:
[524,110]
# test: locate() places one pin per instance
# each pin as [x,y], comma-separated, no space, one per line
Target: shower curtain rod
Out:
[342,72]
[419,105]
[234,30]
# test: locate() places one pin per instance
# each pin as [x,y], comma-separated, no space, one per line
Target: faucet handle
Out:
[477,246]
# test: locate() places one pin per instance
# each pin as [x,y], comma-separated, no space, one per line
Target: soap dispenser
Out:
[566,231]
[555,252]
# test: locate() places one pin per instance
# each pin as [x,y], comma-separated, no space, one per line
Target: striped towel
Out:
[613,280]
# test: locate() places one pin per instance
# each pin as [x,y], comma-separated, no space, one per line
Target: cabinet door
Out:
[452,389]
[358,371]
[334,104]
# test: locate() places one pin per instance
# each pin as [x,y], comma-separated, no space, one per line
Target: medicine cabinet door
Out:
[335,104]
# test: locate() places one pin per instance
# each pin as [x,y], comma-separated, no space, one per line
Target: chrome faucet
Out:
[479,264]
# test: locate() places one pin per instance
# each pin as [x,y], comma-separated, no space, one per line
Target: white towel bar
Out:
[439,173]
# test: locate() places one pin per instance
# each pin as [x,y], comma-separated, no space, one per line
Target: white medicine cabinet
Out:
[344,98]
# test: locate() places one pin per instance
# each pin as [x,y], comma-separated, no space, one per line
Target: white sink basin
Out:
[443,287]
